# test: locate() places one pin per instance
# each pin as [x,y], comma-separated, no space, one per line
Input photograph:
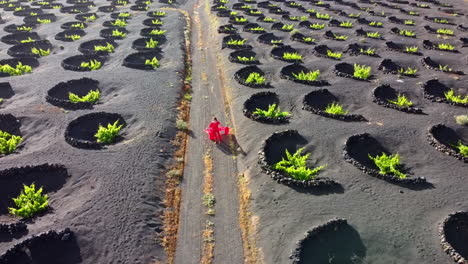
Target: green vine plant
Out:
[462,148]
[335,109]
[151,44]
[19,69]
[295,166]
[362,71]
[407,33]
[90,18]
[257,29]
[255,12]
[445,31]
[317,26]
[90,97]
[33,14]
[156,22]
[44,21]
[269,19]
[413,13]
[445,68]
[8,142]
[273,112]
[409,71]
[346,24]
[119,23]
[237,42]
[373,34]
[388,165]
[245,59]
[445,46]
[28,40]
[308,39]
[375,24]
[255,78]
[322,16]
[29,202]
[411,49]
[452,97]
[24,29]
[358,15]
[334,55]
[309,76]
[240,19]
[107,135]
[157,32]
[274,42]
[40,51]
[287,27]
[78,25]
[125,15]
[92,65]
[402,101]
[159,13]
[292,56]
[118,33]
[109,48]
[73,37]
[340,37]
[368,51]
[409,22]
[154,63]
[441,21]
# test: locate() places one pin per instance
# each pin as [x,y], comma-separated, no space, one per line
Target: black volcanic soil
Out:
[112,199]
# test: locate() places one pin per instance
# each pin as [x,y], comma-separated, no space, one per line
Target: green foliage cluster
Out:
[269,19]
[156,22]
[109,48]
[334,55]
[236,42]
[276,41]
[273,112]
[362,71]
[154,62]
[462,120]
[445,46]
[450,95]
[409,22]
[118,33]
[322,16]
[125,15]
[367,51]
[19,69]
[308,39]
[462,148]
[409,71]
[157,32]
[24,28]
[245,59]
[107,135]
[255,12]
[78,25]
[257,29]
[445,31]
[402,101]
[240,19]
[335,109]
[287,27]
[441,21]
[8,142]
[346,24]
[28,40]
[92,65]
[413,13]
[90,97]
[40,51]
[309,76]
[411,49]
[119,23]
[340,37]
[90,18]
[73,37]
[151,44]
[293,56]
[29,202]
[44,21]
[354,15]
[295,166]
[255,78]
[375,24]
[159,13]
[388,164]
[373,34]
[445,68]
[317,26]
[407,33]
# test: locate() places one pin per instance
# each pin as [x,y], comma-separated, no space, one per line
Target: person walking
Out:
[214,133]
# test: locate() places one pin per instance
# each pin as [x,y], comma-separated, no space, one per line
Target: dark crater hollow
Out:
[454,236]
[13,62]
[140,44]
[63,35]
[16,38]
[13,28]
[51,177]
[435,90]
[355,50]
[28,11]
[396,20]
[10,124]
[227,29]
[316,102]
[274,150]
[335,240]
[385,93]
[346,70]
[269,38]
[149,22]
[429,63]
[34,19]
[6,92]
[289,71]
[299,37]
[47,247]
[249,28]
[444,139]
[438,19]
[25,49]
[146,32]
[321,51]
[58,95]
[80,132]
[72,25]
[435,46]
[262,101]
[464,42]
[279,26]
[223,13]
[357,150]
[399,47]
[242,74]
[88,46]
[330,35]
[228,38]
[82,17]
[73,63]
[137,60]
[389,67]
[234,56]
[107,33]
[106,9]
[279,52]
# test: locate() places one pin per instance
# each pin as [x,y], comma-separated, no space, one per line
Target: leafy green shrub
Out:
[240,19]
[311,11]
[373,34]
[322,16]
[208,200]
[461,120]
[90,97]
[317,26]
[237,42]
[411,49]
[292,56]
[246,7]
[28,40]
[375,24]
[276,41]
[77,25]
[295,166]
[388,165]
[19,69]
[362,71]
[151,44]
[445,46]
[255,12]
[33,14]
[346,24]
[24,28]
[90,18]
[154,62]
[159,13]
[334,55]
[335,109]
[413,13]
[445,31]
[8,142]
[255,78]
[73,37]
[441,21]
[463,149]
[156,22]
[340,37]
[402,101]
[118,33]
[273,112]
[40,52]
[119,23]
[310,76]
[29,202]
[367,51]
[354,15]
[245,59]
[287,27]
[407,33]
[107,135]
[269,19]
[108,48]
[44,21]
[445,68]
[450,95]
[409,22]
[257,29]
[125,15]
[308,39]
[409,71]
[181,125]
[92,65]
[157,32]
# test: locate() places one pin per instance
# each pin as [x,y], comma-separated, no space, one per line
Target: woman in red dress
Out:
[215,135]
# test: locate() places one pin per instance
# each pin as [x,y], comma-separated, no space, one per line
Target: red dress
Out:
[214,129]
